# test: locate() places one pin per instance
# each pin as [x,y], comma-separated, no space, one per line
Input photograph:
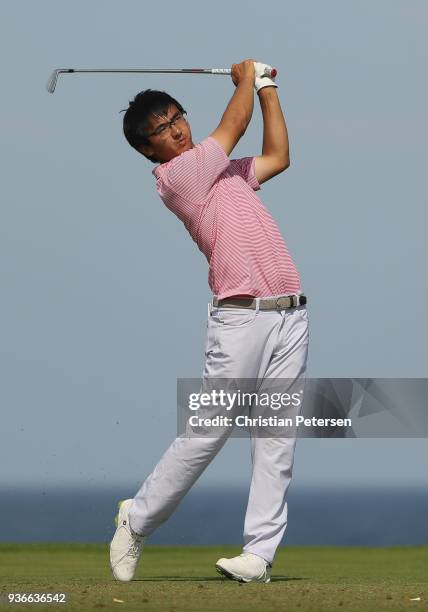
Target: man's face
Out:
[166,140]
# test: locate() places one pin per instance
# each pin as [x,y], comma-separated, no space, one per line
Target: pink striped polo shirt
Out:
[214,197]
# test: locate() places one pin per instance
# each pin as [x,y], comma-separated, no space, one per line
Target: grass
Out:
[184,579]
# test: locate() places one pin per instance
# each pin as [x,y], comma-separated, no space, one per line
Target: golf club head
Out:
[51,84]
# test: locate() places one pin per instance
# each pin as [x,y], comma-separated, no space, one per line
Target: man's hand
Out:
[243,71]
[261,80]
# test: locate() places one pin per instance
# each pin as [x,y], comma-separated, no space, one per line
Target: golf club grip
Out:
[269,72]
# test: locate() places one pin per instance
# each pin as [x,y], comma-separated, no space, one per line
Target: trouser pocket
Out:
[233,317]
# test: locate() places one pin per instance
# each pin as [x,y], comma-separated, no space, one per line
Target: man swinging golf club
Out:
[257,319]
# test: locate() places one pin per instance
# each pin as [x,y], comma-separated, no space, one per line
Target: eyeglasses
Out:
[162,130]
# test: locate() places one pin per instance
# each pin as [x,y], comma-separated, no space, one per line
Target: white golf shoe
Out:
[247,567]
[126,545]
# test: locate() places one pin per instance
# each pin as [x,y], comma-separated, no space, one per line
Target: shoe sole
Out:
[220,570]
[223,572]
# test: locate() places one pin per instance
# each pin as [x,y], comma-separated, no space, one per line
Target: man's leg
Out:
[178,469]
[266,517]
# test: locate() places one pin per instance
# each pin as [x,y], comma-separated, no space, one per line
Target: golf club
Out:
[53,79]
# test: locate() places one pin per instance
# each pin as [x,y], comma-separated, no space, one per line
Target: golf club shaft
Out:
[225,71]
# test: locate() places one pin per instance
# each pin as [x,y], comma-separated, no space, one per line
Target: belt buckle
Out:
[283,302]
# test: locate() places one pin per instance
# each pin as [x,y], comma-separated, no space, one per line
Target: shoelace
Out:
[135,549]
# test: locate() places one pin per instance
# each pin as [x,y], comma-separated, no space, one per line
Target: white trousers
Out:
[241,343]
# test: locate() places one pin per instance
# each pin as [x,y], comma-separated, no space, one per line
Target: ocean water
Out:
[343,517]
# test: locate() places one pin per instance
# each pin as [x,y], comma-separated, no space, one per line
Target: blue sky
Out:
[89,365]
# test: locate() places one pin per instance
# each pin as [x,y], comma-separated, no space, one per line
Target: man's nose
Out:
[175,130]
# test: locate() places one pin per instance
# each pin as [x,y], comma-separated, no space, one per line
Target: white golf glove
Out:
[261,80]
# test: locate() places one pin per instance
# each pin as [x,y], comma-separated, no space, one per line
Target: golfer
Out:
[257,320]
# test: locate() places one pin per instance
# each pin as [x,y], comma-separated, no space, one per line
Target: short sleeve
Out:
[246,169]
[192,174]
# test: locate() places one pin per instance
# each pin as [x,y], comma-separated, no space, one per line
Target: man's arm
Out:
[239,111]
[275,153]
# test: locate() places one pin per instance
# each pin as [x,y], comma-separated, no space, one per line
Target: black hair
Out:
[137,115]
